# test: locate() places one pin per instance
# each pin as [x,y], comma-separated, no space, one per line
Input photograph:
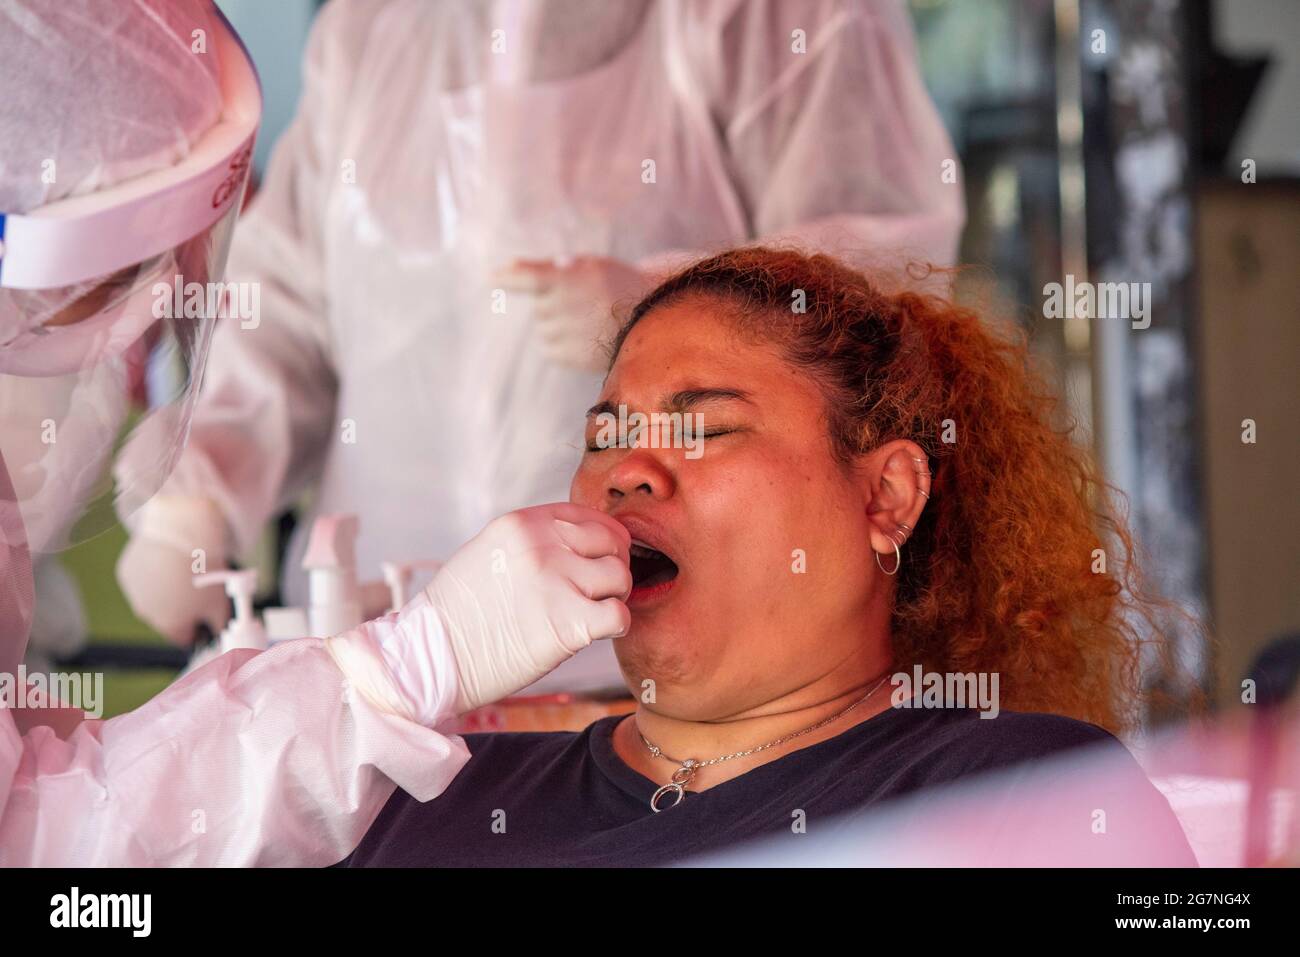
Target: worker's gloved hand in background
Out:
[173,539]
[573,303]
[535,587]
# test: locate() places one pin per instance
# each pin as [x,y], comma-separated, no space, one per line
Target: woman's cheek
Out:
[584,488]
[745,506]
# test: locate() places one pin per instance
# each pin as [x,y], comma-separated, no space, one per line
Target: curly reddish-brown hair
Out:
[1003,572]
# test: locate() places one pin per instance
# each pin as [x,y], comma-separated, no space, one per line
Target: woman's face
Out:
[768,531]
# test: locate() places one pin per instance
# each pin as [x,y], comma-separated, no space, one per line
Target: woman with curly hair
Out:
[879,493]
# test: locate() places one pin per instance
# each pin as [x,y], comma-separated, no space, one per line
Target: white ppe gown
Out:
[255,759]
[380,372]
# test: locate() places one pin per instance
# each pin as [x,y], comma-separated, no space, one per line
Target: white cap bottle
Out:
[243,630]
[334,604]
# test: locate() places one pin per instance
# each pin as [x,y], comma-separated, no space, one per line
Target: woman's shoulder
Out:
[1034,731]
[1053,790]
[1026,734]
[956,742]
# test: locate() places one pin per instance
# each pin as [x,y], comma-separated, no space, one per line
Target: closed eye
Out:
[707,434]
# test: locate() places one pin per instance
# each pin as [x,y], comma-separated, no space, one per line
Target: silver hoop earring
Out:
[898,563]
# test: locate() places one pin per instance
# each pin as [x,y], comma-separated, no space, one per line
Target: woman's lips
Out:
[642,595]
[655,570]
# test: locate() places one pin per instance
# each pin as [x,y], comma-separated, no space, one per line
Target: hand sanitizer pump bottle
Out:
[244,630]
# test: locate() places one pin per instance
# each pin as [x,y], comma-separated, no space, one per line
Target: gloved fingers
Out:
[594,539]
[609,619]
[214,611]
[579,514]
[598,578]
[157,580]
[526,275]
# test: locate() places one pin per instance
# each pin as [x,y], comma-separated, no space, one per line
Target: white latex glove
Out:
[533,588]
[573,302]
[156,569]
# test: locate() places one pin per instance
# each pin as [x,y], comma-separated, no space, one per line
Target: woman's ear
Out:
[896,486]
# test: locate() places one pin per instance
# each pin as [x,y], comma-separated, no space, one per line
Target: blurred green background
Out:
[110,619]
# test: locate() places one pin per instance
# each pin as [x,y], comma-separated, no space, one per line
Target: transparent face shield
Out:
[96,396]
[107,306]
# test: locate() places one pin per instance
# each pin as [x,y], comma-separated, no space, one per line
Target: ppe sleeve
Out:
[839,147]
[263,419]
[256,759]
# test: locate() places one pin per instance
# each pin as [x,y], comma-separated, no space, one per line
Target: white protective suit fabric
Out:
[269,759]
[286,756]
[47,79]
[421,162]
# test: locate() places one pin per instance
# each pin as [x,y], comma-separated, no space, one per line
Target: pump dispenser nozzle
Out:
[244,630]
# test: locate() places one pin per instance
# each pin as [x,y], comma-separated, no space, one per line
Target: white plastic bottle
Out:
[334,603]
[243,630]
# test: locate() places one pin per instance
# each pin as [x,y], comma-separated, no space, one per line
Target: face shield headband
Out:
[71,242]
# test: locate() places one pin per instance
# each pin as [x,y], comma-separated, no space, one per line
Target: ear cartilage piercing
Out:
[905,527]
[923,491]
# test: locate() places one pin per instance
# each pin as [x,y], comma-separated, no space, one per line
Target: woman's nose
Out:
[638,473]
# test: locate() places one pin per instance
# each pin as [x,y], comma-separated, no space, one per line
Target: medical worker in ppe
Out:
[125,136]
[466,190]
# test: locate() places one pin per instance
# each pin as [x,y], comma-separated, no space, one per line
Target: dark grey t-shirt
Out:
[566,798]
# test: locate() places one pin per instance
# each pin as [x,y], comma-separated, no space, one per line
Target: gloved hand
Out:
[573,302]
[156,569]
[535,587]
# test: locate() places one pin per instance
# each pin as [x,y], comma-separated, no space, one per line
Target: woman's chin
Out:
[654,653]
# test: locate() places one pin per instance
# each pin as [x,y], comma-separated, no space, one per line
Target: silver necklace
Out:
[684,776]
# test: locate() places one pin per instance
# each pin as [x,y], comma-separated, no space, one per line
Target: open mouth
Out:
[650,568]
